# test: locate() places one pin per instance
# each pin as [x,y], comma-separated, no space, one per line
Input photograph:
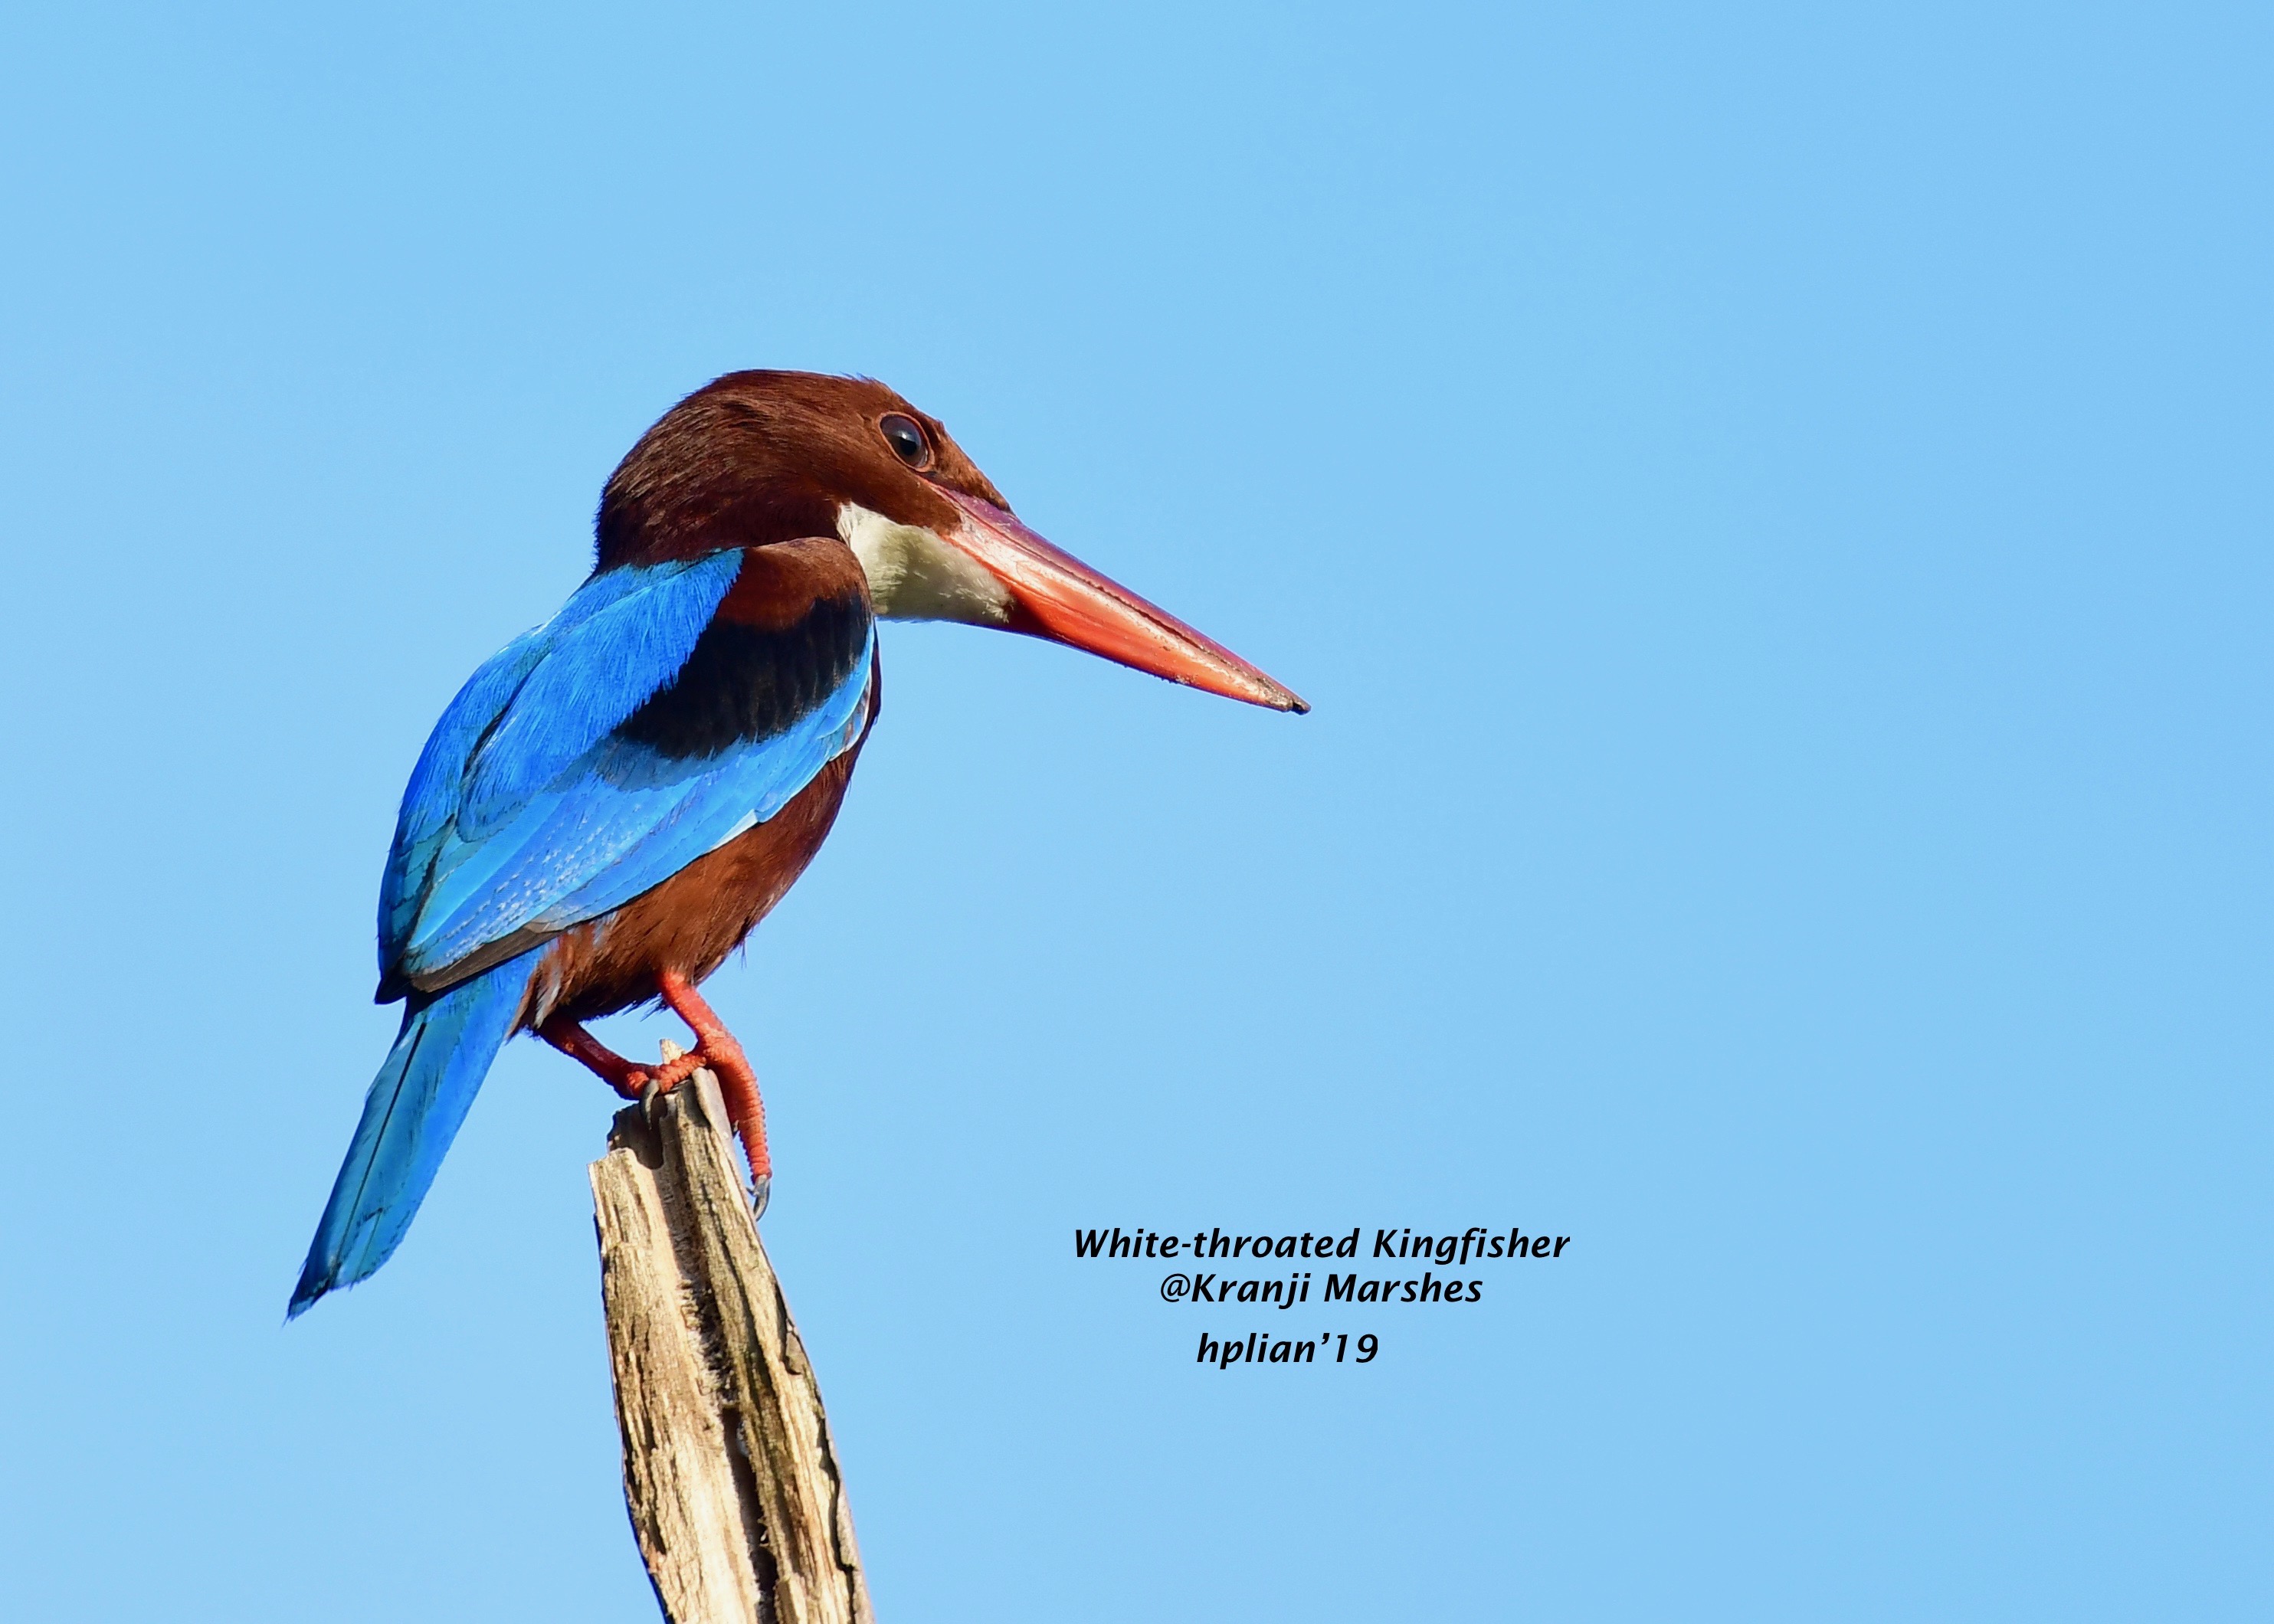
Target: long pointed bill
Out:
[1058,596]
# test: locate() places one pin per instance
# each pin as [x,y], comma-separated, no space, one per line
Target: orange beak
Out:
[1058,596]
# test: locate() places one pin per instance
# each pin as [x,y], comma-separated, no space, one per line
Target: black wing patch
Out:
[744,683]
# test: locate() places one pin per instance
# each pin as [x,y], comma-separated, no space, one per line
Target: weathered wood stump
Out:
[729,1471]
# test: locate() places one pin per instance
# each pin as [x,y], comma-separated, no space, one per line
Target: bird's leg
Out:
[714,1047]
[628,1079]
[717,1048]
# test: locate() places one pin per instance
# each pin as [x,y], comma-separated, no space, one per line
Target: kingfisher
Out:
[613,801]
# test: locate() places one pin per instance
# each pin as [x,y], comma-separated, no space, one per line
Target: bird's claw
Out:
[715,1048]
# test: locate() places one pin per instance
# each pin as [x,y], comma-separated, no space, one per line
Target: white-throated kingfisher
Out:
[614,801]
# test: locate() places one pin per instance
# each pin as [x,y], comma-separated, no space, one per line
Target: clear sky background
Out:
[1770,510]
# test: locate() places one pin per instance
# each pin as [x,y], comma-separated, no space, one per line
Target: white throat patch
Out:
[914,575]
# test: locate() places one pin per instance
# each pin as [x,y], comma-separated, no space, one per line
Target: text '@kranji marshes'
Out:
[1369,1281]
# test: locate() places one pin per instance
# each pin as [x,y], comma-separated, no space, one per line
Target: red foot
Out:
[579,1045]
[724,1055]
[715,1047]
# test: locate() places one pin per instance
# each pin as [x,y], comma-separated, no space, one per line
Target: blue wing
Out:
[528,813]
[589,760]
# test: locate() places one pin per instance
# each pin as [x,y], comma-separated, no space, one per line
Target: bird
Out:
[614,801]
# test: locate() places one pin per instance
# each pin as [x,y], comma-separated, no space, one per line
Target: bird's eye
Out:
[908,439]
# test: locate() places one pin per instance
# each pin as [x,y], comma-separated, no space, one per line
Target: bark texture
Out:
[730,1474]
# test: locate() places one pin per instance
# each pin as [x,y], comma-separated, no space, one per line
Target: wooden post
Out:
[729,1471]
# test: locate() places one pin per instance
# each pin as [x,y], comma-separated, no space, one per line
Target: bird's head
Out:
[759,457]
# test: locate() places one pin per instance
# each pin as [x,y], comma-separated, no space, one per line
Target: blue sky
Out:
[1769,506]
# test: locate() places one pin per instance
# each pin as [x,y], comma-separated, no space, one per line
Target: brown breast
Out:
[768,656]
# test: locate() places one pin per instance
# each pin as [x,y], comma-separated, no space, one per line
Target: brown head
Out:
[757,458]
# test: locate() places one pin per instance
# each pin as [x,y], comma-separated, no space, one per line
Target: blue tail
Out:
[412,1114]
